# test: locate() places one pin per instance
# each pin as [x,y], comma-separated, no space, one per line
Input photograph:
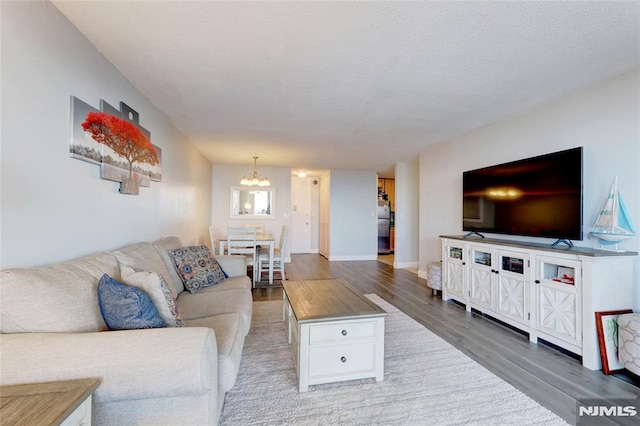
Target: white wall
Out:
[315,213]
[54,207]
[354,224]
[324,215]
[225,176]
[407,176]
[604,120]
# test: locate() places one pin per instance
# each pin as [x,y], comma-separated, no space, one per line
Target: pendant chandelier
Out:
[255,179]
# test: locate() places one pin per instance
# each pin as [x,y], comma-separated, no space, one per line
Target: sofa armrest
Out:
[132,364]
[233,265]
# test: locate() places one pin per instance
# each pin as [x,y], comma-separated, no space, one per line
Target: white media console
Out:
[550,293]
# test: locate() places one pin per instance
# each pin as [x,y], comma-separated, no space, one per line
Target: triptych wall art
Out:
[115,140]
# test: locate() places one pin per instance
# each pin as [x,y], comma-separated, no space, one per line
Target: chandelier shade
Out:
[254,179]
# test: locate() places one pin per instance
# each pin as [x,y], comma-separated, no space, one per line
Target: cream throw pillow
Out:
[156,287]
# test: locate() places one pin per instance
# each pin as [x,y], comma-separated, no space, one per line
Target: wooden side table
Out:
[66,402]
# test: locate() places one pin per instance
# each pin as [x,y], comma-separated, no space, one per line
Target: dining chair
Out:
[214,236]
[259,228]
[278,256]
[259,231]
[242,241]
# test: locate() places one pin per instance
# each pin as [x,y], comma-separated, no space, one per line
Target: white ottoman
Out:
[434,276]
[629,342]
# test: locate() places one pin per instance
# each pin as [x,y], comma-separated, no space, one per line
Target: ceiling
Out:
[353,85]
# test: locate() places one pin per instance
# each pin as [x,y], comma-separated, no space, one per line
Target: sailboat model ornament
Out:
[613,224]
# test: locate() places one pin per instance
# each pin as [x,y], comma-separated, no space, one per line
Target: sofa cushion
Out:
[63,295]
[211,301]
[229,340]
[196,267]
[126,307]
[155,286]
[233,265]
[163,246]
[143,256]
[231,283]
[98,264]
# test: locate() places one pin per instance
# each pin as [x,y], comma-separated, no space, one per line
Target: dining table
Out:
[262,240]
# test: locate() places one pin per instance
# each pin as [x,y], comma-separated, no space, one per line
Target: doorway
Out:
[305,202]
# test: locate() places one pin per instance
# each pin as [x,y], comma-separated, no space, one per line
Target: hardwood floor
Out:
[552,378]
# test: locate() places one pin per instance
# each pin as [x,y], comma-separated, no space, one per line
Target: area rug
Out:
[264,283]
[427,382]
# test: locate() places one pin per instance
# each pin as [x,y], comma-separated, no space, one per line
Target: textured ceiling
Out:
[353,85]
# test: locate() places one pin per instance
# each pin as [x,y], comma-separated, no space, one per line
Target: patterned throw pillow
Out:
[196,267]
[158,290]
[126,308]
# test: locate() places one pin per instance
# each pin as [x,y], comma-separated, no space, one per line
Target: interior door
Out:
[300,235]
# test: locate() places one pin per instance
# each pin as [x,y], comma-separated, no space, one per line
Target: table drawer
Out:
[341,360]
[341,331]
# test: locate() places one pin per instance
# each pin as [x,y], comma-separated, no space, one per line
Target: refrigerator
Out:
[384,227]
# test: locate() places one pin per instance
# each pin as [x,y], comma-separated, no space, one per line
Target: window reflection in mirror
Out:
[252,202]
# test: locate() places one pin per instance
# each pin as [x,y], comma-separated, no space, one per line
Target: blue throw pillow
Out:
[125,308]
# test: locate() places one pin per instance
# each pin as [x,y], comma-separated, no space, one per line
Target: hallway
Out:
[388,259]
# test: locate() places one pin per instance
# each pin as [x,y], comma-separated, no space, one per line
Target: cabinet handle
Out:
[464,263]
[344,332]
[537,281]
[343,359]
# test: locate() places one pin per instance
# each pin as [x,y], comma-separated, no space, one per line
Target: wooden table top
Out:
[47,403]
[259,237]
[314,300]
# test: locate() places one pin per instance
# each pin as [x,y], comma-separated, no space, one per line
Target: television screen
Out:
[536,197]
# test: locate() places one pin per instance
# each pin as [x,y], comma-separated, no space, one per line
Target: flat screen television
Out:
[535,197]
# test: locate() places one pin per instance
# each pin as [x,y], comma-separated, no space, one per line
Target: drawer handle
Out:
[344,332]
[343,359]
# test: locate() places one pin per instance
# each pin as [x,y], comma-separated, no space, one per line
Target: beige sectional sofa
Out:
[52,329]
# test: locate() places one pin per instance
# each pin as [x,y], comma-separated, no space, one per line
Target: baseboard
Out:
[422,274]
[348,258]
[312,251]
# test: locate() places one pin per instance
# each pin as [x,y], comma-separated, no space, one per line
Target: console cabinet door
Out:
[481,277]
[558,299]
[513,295]
[455,271]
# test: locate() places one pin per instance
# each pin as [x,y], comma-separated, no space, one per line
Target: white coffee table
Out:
[334,333]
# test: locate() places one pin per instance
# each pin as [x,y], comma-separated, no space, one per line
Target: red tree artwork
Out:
[123,137]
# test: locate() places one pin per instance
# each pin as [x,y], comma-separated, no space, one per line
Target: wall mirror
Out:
[252,202]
